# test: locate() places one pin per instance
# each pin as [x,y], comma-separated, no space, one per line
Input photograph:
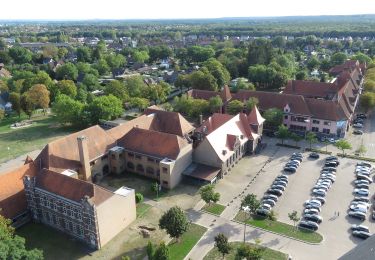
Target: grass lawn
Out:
[142,209]
[16,142]
[268,254]
[55,245]
[178,251]
[214,208]
[282,228]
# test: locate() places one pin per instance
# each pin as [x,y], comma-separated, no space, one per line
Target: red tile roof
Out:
[254,117]
[153,143]
[311,89]
[214,122]
[202,94]
[12,193]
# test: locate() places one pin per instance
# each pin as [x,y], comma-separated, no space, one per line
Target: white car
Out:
[358,125]
[359,208]
[311,211]
[362,182]
[360,203]
[317,202]
[361,192]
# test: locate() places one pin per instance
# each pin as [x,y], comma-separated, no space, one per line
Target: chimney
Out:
[84,157]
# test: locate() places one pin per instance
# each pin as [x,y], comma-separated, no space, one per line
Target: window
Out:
[64,209]
[79,216]
[165,170]
[140,168]
[150,170]
[104,157]
[55,206]
[120,155]
[80,230]
[326,131]
[165,182]
[317,122]
[315,129]
[286,117]
[327,123]
[113,156]
[138,157]
[131,155]
[297,127]
[150,159]
[130,165]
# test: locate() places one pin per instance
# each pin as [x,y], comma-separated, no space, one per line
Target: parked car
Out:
[290,169]
[364,164]
[362,182]
[331,140]
[270,202]
[312,201]
[329,168]
[354,204]
[319,192]
[364,199]
[314,155]
[285,177]
[314,218]
[313,206]
[321,199]
[308,225]
[361,234]
[262,212]
[331,164]
[282,183]
[373,215]
[321,187]
[358,132]
[360,228]
[311,211]
[278,187]
[361,192]
[362,186]
[358,125]
[275,192]
[363,177]
[332,157]
[266,206]
[361,115]
[357,214]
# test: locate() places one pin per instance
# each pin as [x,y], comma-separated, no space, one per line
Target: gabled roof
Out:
[153,143]
[348,65]
[254,117]
[12,193]
[225,94]
[214,122]
[63,153]
[71,188]
[143,122]
[312,89]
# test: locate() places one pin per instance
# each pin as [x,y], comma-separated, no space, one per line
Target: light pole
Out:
[246,210]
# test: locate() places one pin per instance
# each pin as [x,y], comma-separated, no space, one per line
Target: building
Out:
[79,208]
[363,251]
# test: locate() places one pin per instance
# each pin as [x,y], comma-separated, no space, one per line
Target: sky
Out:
[169,9]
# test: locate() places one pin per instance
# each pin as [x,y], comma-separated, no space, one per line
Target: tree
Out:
[249,204]
[38,96]
[49,51]
[2,113]
[175,222]
[203,79]
[295,137]
[67,87]
[361,150]
[361,57]
[313,63]
[217,70]
[208,194]
[274,117]
[102,66]
[67,71]
[283,133]
[13,246]
[83,54]
[235,107]
[106,108]
[155,188]
[293,216]
[159,92]
[222,244]
[15,100]
[115,61]
[338,58]
[90,81]
[140,56]
[301,75]
[117,89]
[68,110]
[242,84]
[140,103]
[311,138]
[199,53]
[150,250]
[138,197]
[246,251]
[20,55]
[26,105]
[162,252]
[251,103]
[159,52]
[367,101]
[343,145]
[135,86]
[215,104]
[260,52]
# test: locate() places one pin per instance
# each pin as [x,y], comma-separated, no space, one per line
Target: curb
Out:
[296,239]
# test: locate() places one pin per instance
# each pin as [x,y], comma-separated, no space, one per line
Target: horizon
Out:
[70,10]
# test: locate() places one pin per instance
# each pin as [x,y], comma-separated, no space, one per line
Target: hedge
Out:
[356,157]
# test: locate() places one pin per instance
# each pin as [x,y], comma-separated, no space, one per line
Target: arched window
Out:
[105,169]
[130,165]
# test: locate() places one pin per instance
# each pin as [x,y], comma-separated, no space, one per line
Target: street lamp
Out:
[246,210]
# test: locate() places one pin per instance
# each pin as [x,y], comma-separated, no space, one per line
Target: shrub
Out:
[138,197]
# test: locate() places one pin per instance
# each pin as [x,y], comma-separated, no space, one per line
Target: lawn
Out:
[178,250]
[16,142]
[214,208]
[55,245]
[142,209]
[282,228]
[268,254]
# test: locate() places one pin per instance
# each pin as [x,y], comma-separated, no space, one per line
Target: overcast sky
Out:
[151,9]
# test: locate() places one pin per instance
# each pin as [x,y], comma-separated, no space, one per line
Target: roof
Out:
[12,193]
[201,172]
[254,117]
[143,122]
[202,94]
[363,251]
[71,188]
[63,153]
[311,89]
[225,94]
[153,143]
[214,122]
[348,65]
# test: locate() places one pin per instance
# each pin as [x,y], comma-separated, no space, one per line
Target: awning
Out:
[201,172]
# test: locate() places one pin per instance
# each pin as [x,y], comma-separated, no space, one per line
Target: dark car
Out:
[364,164]
[278,187]
[308,225]
[360,228]
[331,164]
[313,206]
[332,157]
[278,182]
[270,197]
[329,169]
[314,218]
[281,179]
[361,234]
[357,214]
[270,202]
[290,169]
[358,132]
[314,155]
[363,177]
[262,212]
[362,116]
[275,192]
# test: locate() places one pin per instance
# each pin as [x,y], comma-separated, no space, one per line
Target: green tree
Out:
[175,222]
[115,61]
[218,71]
[102,66]
[83,54]
[343,145]
[203,79]
[235,107]
[361,150]
[135,86]
[2,114]
[106,108]
[162,252]
[367,101]
[140,56]
[260,52]
[67,71]
[296,138]
[208,194]
[90,81]
[159,92]
[293,216]
[20,55]
[361,57]
[313,63]
[155,188]
[248,252]
[251,103]
[138,197]
[116,88]
[222,244]
[15,100]
[26,104]
[215,104]
[283,133]
[338,58]
[199,53]
[274,117]
[241,84]
[13,246]
[301,75]
[68,110]
[249,204]
[325,65]
[140,103]
[67,87]
[38,96]
[49,51]
[311,138]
